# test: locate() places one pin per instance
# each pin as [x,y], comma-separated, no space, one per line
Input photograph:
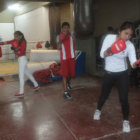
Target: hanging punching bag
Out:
[83,18]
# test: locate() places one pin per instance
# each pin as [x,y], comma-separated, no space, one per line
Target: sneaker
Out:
[67,95]
[126,126]
[19,95]
[97,114]
[69,87]
[36,88]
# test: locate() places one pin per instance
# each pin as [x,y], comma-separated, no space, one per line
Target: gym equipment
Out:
[38,45]
[47,44]
[83,18]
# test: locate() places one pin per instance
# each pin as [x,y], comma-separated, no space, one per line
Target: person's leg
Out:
[65,74]
[21,67]
[108,82]
[71,72]
[66,92]
[68,80]
[68,83]
[30,76]
[65,83]
[123,83]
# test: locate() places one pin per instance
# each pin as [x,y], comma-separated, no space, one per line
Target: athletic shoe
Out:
[36,88]
[69,87]
[97,114]
[67,95]
[19,95]
[126,126]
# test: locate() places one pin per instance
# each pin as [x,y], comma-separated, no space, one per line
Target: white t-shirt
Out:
[117,62]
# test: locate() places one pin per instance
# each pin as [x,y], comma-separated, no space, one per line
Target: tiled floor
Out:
[45,115]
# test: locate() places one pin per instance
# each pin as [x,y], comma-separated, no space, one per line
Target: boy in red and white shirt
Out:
[67,58]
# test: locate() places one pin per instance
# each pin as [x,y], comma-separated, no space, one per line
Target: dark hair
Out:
[20,34]
[65,24]
[110,29]
[127,25]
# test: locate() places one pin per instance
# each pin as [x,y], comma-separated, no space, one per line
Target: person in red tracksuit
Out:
[19,46]
[67,58]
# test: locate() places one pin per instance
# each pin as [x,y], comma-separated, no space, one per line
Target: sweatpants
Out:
[23,70]
[122,81]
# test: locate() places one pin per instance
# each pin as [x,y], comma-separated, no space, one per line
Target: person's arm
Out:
[58,42]
[63,36]
[59,46]
[118,46]
[105,46]
[73,35]
[132,56]
[2,43]
[7,42]
[60,39]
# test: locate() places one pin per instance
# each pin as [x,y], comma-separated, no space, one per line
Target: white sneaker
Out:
[126,126]
[97,115]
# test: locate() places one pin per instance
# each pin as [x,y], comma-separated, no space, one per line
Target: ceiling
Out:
[4,3]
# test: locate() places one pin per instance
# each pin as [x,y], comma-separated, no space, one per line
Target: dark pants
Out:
[122,81]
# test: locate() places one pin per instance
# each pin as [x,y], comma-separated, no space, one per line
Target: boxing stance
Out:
[115,50]
[19,47]
[67,57]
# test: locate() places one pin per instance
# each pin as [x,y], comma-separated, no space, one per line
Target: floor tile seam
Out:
[66,126]
[113,134]
[61,119]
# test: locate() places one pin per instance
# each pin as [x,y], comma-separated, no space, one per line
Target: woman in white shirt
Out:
[116,71]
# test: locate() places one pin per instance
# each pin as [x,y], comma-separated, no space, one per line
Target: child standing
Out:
[67,58]
[19,46]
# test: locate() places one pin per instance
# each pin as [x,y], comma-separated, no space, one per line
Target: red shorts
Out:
[68,68]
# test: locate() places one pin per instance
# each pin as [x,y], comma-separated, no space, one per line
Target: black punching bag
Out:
[83,18]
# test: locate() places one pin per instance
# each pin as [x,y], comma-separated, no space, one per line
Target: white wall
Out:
[29,6]
[6,33]
[7,16]
[34,25]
